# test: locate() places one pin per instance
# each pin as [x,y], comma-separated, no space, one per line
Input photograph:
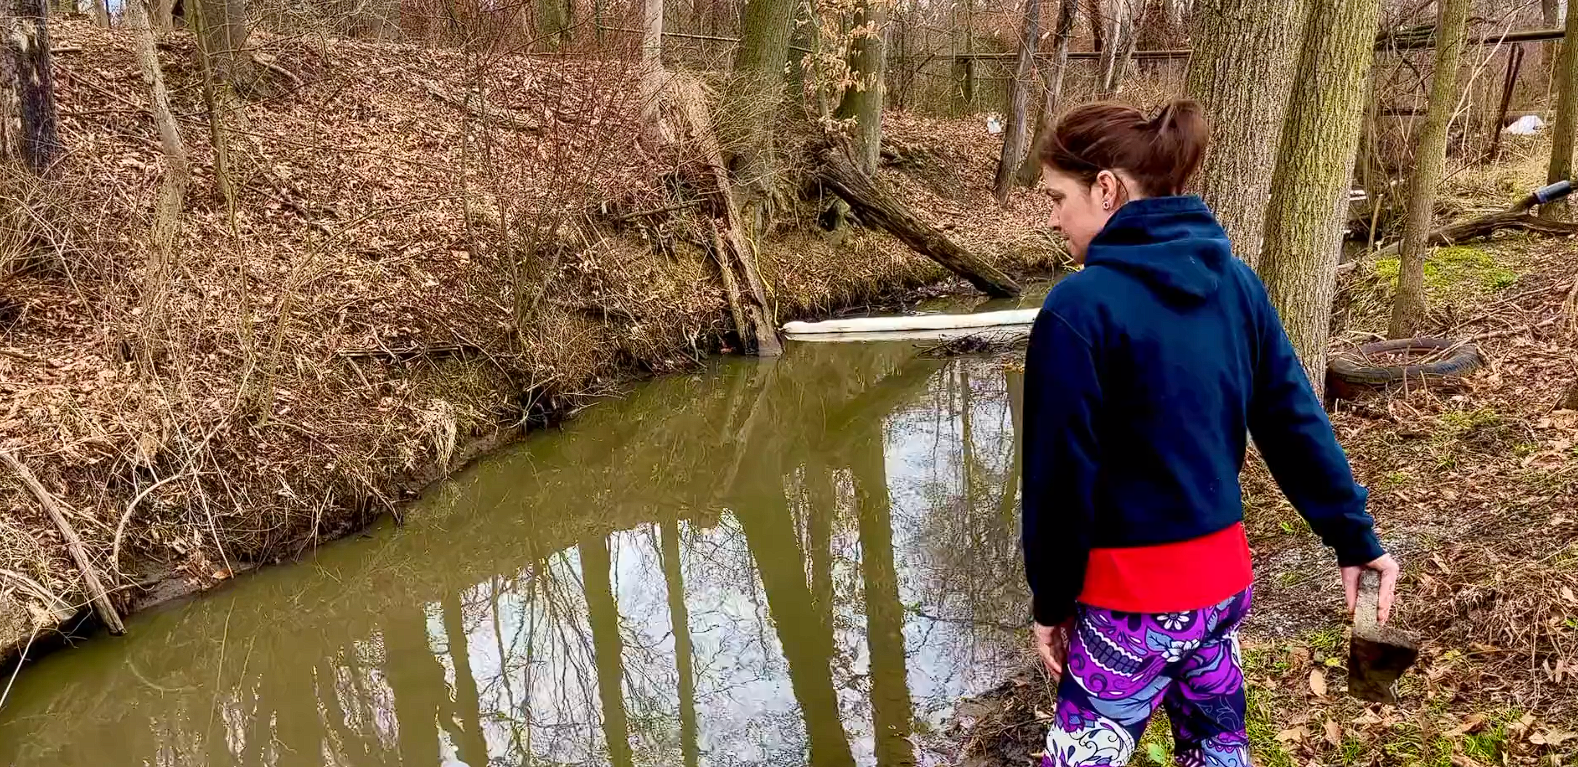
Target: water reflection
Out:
[785,563]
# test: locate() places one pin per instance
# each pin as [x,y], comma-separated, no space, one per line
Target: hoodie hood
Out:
[1172,244]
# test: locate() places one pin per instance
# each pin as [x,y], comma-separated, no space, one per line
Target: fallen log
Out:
[875,206]
[1516,217]
[79,554]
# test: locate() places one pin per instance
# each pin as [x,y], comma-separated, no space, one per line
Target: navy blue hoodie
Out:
[1146,373]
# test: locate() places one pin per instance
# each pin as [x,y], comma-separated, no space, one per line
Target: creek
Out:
[802,561]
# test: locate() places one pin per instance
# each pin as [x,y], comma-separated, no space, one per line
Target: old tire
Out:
[1358,368]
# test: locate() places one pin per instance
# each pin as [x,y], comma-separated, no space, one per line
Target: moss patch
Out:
[1454,270]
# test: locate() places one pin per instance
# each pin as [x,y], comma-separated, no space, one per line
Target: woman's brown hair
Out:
[1160,153]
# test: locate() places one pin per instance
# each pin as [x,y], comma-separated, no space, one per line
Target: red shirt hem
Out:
[1170,577]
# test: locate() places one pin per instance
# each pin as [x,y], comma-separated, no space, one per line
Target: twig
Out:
[120,528]
[79,553]
[1510,331]
[21,659]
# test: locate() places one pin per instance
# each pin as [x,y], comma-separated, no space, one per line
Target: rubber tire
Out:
[1351,368]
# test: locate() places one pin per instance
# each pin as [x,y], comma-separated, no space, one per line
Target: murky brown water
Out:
[793,562]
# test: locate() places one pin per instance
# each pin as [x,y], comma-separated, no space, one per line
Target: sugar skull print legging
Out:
[1121,666]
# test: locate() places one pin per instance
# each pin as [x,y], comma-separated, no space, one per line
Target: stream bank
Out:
[382,296]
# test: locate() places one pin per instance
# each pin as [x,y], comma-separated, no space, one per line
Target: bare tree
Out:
[1116,58]
[1565,85]
[651,67]
[1309,193]
[28,131]
[862,100]
[1242,72]
[1408,311]
[1017,136]
[222,25]
[1052,84]
[753,99]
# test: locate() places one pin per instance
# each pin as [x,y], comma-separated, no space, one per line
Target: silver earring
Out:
[1106,204]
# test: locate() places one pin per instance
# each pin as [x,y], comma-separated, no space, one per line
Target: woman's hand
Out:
[1052,646]
[1389,571]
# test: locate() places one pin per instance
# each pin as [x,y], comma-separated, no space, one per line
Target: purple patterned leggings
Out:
[1121,666]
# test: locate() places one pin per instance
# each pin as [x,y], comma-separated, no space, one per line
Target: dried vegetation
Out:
[428,250]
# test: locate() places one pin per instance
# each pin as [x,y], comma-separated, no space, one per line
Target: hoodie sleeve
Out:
[1297,442]
[1062,396]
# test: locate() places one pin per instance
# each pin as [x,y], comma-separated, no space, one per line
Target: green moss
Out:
[1454,269]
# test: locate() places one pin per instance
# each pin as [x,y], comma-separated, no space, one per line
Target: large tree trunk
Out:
[1052,81]
[28,130]
[752,100]
[862,101]
[1309,193]
[1242,73]
[222,25]
[1565,86]
[877,208]
[1408,311]
[1017,136]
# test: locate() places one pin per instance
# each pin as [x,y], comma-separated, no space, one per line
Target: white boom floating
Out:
[913,327]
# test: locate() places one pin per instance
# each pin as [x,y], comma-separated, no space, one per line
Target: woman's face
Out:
[1080,210]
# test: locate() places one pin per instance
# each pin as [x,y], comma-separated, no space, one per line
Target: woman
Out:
[1147,372]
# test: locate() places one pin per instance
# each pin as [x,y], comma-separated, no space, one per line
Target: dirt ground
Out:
[397,282]
[1475,490]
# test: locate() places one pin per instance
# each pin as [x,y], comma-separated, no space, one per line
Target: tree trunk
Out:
[415,679]
[28,131]
[472,743]
[876,208]
[553,23]
[1565,86]
[684,650]
[891,708]
[1309,193]
[1124,36]
[1408,311]
[1551,14]
[222,25]
[1242,73]
[1017,134]
[752,100]
[862,101]
[1052,80]
[136,18]
[651,69]
[101,13]
[161,15]
[602,614]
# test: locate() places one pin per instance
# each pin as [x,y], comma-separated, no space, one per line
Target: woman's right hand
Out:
[1389,571]
[1052,646]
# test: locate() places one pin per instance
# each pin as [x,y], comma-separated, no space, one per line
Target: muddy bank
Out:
[393,283]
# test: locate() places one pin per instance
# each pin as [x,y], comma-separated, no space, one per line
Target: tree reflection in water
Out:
[793,562]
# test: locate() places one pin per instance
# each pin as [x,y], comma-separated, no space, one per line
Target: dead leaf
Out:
[1552,738]
[1318,683]
[1294,735]
[1042,716]
[1333,733]
[1471,723]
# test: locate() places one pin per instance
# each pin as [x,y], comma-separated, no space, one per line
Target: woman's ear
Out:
[1109,188]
